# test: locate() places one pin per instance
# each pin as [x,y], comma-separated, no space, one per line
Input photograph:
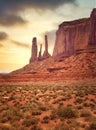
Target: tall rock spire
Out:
[46,53]
[46,44]
[40,53]
[34,50]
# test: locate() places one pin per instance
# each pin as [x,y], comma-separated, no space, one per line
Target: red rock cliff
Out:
[75,35]
[92,38]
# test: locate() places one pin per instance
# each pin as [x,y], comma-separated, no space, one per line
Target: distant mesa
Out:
[34,51]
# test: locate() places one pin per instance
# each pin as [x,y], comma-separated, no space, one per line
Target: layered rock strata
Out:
[75,35]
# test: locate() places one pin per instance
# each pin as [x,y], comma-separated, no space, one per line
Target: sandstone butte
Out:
[74,55]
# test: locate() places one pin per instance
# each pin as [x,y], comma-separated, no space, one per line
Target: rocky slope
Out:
[77,67]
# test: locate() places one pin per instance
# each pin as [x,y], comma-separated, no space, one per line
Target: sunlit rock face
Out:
[75,35]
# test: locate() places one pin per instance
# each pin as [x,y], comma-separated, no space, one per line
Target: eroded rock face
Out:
[75,35]
[34,50]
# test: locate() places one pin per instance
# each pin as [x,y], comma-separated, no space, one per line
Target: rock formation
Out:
[34,50]
[92,38]
[77,40]
[75,35]
[46,53]
[40,53]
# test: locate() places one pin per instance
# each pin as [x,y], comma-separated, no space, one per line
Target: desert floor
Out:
[48,106]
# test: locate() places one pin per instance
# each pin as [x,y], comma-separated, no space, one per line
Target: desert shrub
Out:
[93,100]
[92,126]
[6,127]
[53,115]
[16,124]
[80,94]
[85,104]
[83,125]
[29,122]
[62,126]
[35,127]
[91,119]
[79,100]
[94,112]
[3,119]
[36,113]
[55,101]
[91,105]
[45,119]
[3,107]
[13,114]
[85,113]
[79,107]
[43,108]
[67,112]
[21,127]
[61,104]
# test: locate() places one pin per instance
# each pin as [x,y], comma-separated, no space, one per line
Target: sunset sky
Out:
[21,20]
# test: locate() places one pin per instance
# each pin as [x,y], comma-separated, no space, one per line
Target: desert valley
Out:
[55,92]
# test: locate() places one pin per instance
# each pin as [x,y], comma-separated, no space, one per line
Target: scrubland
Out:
[57,106]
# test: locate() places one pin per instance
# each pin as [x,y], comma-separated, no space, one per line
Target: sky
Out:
[21,20]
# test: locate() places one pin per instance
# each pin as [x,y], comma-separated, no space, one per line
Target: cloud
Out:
[24,45]
[11,20]
[17,5]
[9,9]
[3,36]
